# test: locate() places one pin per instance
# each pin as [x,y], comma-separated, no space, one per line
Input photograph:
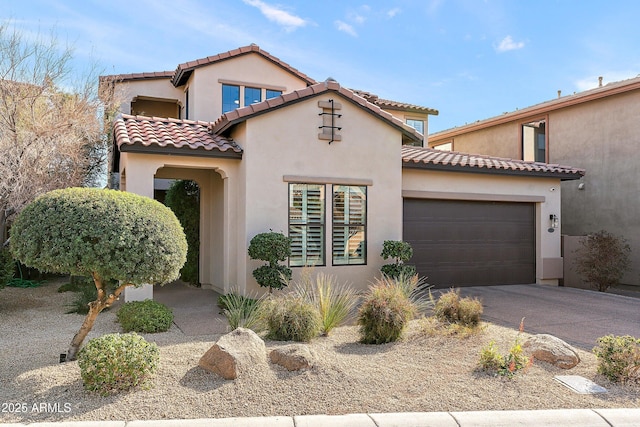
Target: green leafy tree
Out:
[104,234]
[602,259]
[183,197]
[400,252]
[271,247]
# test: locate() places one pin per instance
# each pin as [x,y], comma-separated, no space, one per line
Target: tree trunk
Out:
[95,307]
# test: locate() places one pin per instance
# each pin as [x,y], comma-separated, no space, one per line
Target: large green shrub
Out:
[103,234]
[271,247]
[602,259]
[400,252]
[183,197]
[619,358]
[117,362]
[384,314]
[292,318]
[145,316]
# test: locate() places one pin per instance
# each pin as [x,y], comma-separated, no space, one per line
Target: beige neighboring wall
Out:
[485,141]
[285,143]
[251,70]
[544,192]
[153,88]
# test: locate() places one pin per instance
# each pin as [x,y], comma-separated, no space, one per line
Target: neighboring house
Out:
[339,171]
[597,130]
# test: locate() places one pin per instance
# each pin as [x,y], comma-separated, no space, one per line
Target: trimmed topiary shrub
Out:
[183,197]
[384,314]
[453,309]
[103,234]
[400,252]
[292,319]
[271,247]
[145,316]
[619,358]
[602,259]
[117,362]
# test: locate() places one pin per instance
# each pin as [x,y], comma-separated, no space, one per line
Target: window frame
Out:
[266,94]
[322,224]
[225,85]
[251,89]
[348,224]
[523,123]
[408,119]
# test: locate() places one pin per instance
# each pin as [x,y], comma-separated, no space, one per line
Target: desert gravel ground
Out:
[421,373]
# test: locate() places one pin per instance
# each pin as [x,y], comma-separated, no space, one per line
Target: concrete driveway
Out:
[577,316]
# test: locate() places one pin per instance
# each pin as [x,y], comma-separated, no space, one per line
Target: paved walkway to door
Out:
[577,316]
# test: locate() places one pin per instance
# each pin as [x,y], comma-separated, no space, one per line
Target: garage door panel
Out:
[462,243]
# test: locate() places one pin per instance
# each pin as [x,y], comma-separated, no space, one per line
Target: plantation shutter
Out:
[349,224]
[306,224]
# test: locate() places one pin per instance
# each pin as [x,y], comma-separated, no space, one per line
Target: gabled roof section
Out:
[138,76]
[428,158]
[171,136]
[182,73]
[394,105]
[228,120]
[609,89]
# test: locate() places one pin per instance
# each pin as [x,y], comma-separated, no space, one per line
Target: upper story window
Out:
[252,95]
[273,93]
[417,125]
[534,141]
[230,98]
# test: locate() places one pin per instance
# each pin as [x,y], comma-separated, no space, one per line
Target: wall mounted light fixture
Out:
[553,221]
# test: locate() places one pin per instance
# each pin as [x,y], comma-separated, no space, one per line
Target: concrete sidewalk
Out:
[552,418]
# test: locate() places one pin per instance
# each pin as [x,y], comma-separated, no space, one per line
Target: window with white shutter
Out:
[307,224]
[349,238]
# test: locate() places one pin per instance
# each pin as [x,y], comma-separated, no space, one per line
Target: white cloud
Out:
[508,44]
[345,28]
[279,16]
[393,12]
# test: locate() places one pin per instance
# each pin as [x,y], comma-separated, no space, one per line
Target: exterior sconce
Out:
[553,222]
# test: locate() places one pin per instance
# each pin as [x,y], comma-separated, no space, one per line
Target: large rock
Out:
[293,357]
[552,350]
[234,353]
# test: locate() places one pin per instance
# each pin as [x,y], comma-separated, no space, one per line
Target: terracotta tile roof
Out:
[609,89]
[227,120]
[138,76]
[428,158]
[172,136]
[394,105]
[182,73]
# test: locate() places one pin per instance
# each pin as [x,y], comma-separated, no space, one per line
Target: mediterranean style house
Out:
[338,170]
[596,130]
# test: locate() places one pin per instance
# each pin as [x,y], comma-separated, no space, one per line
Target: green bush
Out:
[619,358]
[384,314]
[333,301]
[453,309]
[183,197]
[400,252]
[7,267]
[241,311]
[602,259]
[271,247]
[291,318]
[145,316]
[117,362]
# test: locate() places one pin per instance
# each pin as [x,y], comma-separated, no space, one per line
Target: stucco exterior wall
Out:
[285,143]
[544,192]
[491,141]
[155,88]
[250,70]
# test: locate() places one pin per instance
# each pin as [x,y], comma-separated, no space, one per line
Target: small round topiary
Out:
[145,316]
[292,319]
[117,362]
[384,315]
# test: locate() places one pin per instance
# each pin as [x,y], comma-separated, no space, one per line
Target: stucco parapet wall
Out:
[228,120]
[171,136]
[427,158]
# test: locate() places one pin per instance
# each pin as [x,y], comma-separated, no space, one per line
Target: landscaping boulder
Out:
[234,353]
[294,357]
[552,350]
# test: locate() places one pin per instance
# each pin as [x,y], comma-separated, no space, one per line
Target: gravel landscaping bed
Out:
[420,373]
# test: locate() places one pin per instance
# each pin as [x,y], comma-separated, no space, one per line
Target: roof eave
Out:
[179,151]
[563,176]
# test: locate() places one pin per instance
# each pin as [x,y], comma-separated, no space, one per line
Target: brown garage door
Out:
[465,243]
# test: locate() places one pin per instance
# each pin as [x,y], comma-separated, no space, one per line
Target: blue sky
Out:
[469,59]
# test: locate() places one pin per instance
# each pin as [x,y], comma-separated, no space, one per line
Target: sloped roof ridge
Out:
[187,67]
[236,116]
[374,99]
